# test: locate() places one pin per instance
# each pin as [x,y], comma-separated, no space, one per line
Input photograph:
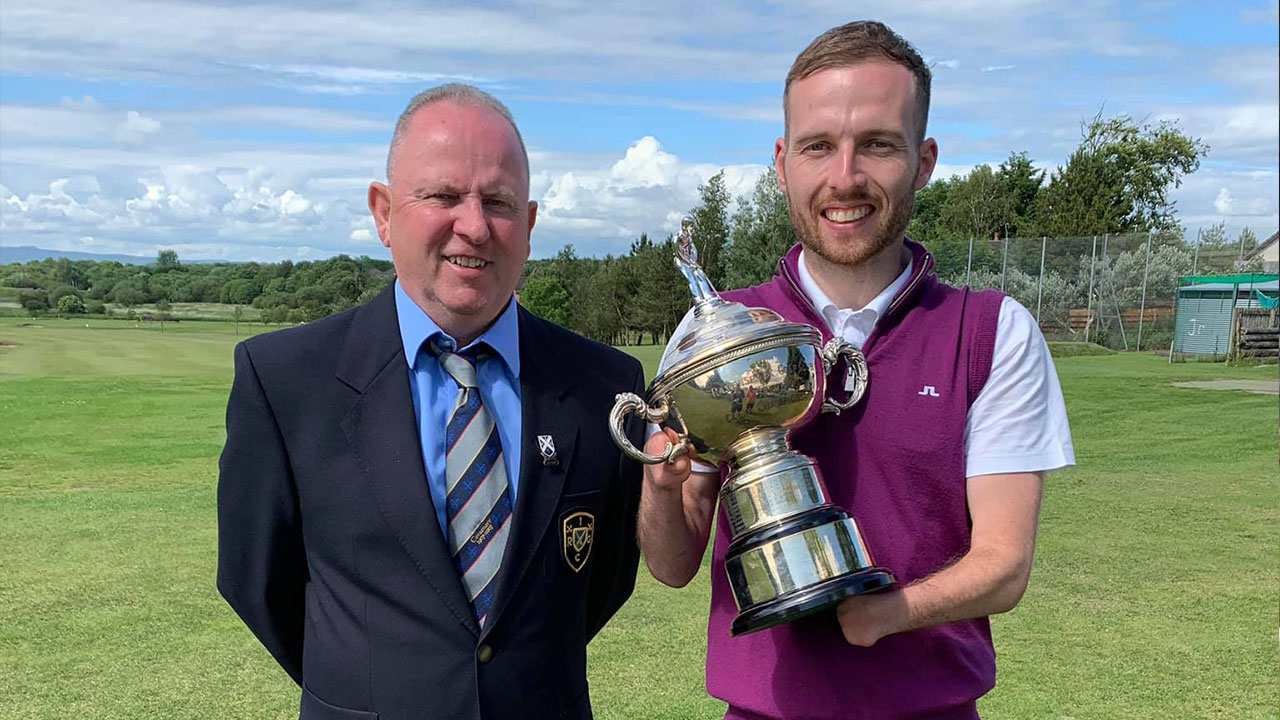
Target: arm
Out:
[675,514]
[262,565]
[988,579]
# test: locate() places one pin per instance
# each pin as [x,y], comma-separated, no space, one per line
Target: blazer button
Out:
[484,654]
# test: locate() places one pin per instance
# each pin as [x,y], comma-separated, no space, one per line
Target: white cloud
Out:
[134,132]
[645,165]
[1227,204]
[601,209]
[997,68]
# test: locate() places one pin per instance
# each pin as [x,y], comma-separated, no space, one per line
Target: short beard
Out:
[888,229]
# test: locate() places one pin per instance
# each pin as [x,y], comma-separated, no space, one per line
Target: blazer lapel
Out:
[383,434]
[543,385]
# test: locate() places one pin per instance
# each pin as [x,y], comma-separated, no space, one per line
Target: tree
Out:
[128,293]
[661,293]
[603,302]
[977,206]
[545,296]
[711,227]
[762,234]
[1021,183]
[70,305]
[34,301]
[929,202]
[166,260]
[1118,179]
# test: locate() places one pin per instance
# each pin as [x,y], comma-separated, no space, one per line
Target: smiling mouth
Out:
[847,215]
[466,262]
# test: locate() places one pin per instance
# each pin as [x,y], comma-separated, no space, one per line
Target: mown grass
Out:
[1154,592]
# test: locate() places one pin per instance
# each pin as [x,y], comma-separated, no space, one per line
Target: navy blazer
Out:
[329,547]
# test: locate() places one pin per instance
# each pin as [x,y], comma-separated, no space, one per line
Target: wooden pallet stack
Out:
[1257,334]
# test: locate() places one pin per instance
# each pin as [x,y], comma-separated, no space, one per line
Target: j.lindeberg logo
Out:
[929,391]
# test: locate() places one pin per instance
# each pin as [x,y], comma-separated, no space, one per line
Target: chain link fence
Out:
[1119,291]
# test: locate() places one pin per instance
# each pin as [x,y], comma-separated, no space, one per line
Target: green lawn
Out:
[1154,593]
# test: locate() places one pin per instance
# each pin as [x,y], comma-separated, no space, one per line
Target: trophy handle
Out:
[856,382]
[630,403]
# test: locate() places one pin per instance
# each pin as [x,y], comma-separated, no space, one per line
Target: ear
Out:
[928,161]
[779,154]
[380,208]
[533,218]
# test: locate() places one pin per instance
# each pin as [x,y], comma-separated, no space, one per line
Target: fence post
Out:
[1142,306]
[968,271]
[1088,313]
[1195,259]
[1044,241]
[1004,263]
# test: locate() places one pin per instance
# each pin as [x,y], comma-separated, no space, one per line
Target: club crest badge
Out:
[577,533]
[548,449]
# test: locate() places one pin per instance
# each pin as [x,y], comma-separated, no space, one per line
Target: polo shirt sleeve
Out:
[1018,423]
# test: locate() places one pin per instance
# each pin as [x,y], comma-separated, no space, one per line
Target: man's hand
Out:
[988,579]
[864,619]
[670,475]
[675,513]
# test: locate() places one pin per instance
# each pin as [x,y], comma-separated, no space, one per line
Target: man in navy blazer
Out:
[334,544]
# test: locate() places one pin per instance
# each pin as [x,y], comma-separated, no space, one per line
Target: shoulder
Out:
[303,339]
[763,294]
[296,357]
[1017,332]
[573,350]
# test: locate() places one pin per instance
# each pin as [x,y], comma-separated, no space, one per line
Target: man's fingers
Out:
[669,474]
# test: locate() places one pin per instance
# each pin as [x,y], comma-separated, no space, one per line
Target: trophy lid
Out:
[719,330]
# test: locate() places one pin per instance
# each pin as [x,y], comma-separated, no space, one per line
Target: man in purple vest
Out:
[943,461]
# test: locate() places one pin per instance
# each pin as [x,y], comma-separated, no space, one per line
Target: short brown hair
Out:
[857,42]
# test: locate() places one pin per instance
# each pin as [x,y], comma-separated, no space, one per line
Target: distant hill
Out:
[27,253]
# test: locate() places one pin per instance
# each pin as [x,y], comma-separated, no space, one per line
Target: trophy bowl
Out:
[733,386]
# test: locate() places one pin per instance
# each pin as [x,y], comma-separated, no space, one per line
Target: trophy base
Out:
[810,600]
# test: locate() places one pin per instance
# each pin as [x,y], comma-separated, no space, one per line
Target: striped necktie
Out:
[478,505]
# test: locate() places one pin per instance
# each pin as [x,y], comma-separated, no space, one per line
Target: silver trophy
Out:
[734,386]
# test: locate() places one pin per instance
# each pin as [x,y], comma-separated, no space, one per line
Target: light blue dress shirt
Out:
[435,391]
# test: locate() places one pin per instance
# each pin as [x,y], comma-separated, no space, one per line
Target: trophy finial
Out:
[687,260]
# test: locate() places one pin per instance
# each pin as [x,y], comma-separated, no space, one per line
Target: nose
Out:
[470,220]
[848,173]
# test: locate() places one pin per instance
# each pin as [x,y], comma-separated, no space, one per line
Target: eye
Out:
[817,146]
[442,198]
[497,203]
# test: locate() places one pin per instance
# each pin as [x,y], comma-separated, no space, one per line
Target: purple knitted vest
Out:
[896,464]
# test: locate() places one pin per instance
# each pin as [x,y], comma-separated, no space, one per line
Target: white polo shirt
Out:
[1018,423]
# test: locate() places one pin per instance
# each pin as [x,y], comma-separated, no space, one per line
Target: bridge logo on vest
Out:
[929,391]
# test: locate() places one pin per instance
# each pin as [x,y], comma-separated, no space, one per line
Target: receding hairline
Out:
[458,94]
[857,43]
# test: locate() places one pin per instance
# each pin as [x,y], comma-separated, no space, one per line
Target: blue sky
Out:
[250,130]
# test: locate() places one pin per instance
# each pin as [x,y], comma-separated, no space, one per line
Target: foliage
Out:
[711,226]
[544,295]
[1052,296]
[1118,180]
[314,288]
[70,305]
[762,234]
